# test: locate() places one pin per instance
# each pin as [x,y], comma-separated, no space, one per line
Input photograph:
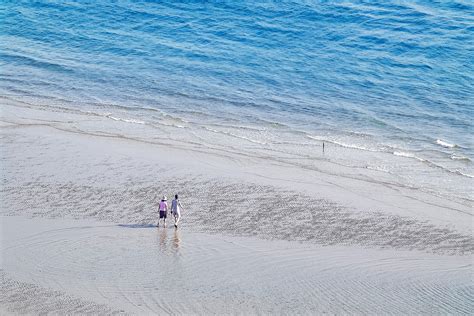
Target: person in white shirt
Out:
[176,208]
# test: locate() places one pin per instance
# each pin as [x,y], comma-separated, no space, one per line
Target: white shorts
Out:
[176,213]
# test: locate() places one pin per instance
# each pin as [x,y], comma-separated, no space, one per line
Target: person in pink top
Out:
[163,211]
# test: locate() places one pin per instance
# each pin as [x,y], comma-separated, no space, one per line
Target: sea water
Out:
[387,87]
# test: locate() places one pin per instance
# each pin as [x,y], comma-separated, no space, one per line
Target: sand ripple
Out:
[237,209]
[149,270]
[25,298]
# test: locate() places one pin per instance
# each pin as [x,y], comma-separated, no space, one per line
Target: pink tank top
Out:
[162,205]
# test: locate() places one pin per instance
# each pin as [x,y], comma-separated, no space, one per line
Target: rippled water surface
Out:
[142,269]
[388,86]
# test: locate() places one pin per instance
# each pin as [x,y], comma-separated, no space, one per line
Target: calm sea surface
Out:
[387,86]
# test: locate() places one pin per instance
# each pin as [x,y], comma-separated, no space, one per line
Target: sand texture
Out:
[79,209]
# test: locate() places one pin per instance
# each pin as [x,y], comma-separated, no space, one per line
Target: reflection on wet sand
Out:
[176,241]
[168,271]
[172,245]
[162,241]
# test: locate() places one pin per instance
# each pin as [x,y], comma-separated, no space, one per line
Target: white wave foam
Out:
[169,125]
[352,146]
[407,155]
[125,120]
[106,114]
[456,157]
[235,135]
[316,138]
[464,174]
[445,144]
[250,139]
[211,129]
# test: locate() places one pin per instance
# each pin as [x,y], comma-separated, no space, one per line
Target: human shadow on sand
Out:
[137,225]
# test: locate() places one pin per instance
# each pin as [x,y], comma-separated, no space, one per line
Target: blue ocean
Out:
[387,86]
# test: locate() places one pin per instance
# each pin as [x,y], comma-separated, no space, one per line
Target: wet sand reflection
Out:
[171,244]
[176,241]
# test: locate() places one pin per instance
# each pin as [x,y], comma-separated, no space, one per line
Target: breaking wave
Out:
[125,120]
[445,144]
[408,155]
[457,157]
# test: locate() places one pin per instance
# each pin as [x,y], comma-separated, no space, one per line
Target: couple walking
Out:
[176,208]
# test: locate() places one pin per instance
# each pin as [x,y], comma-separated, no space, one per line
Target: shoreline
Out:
[216,204]
[345,163]
[258,225]
[353,194]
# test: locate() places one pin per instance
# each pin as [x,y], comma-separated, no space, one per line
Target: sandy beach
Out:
[322,152]
[79,209]
[137,269]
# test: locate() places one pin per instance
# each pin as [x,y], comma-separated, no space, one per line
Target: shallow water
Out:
[54,172]
[387,87]
[138,268]
[314,253]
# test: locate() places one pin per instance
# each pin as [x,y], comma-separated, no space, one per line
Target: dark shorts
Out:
[162,214]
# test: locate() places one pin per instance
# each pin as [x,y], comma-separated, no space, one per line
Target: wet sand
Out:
[78,209]
[143,269]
